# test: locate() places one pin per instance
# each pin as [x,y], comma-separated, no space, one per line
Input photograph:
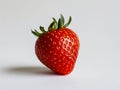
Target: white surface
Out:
[97,23]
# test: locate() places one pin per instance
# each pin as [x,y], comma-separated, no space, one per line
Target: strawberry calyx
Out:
[36,33]
[55,25]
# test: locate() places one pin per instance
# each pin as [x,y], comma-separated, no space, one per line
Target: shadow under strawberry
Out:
[29,70]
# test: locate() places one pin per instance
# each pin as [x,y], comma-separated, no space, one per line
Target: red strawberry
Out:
[58,47]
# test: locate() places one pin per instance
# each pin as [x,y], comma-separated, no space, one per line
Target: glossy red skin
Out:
[58,50]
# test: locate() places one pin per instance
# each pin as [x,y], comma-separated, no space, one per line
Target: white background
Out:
[97,23]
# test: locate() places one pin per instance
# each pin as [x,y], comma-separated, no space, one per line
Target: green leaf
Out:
[51,26]
[54,20]
[69,21]
[55,24]
[62,18]
[42,29]
[60,23]
[36,33]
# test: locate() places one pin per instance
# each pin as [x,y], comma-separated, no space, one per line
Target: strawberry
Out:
[58,47]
